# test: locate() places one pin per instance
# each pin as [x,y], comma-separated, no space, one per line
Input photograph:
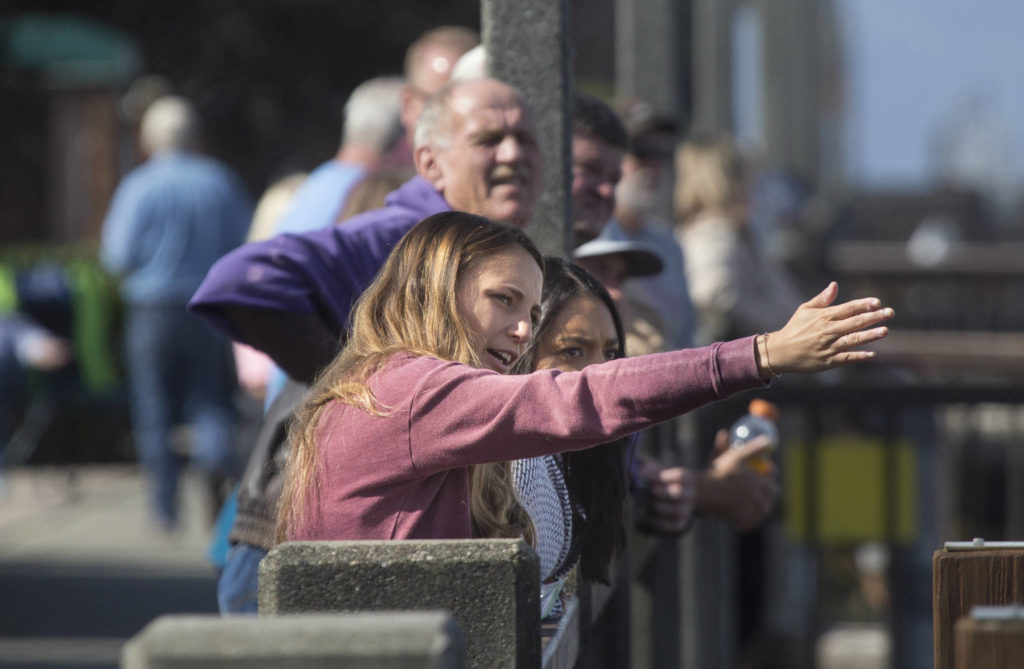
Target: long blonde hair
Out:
[412,306]
[710,177]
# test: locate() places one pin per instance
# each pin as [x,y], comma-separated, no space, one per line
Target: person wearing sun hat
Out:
[612,262]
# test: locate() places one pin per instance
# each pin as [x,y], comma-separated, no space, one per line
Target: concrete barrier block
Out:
[396,640]
[491,588]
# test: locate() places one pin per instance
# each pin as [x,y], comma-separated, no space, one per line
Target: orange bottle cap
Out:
[764,409]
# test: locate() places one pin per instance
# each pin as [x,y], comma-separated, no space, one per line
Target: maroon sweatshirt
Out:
[406,475]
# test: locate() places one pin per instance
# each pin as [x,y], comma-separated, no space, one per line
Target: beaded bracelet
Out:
[767,361]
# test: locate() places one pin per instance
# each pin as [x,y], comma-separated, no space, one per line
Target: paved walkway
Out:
[81,571]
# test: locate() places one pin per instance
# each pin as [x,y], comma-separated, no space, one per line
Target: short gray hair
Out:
[434,125]
[373,114]
[170,124]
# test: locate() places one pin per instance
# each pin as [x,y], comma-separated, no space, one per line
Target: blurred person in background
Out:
[273,204]
[598,142]
[24,346]
[733,285]
[429,62]
[371,126]
[616,262]
[643,205]
[169,220]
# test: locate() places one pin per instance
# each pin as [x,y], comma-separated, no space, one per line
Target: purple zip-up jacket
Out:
[406,475]
[315,275]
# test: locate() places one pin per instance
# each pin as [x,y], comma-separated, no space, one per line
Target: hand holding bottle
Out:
[731,490]
[758,425]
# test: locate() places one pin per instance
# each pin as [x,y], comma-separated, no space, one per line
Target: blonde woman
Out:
[735,289]
[408,432]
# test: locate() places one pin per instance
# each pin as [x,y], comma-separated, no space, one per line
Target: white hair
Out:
[434,125]
[373,114]
[169,124]
[471,65]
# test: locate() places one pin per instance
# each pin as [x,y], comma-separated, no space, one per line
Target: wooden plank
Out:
[964,579]
[989,644]
[974,259]
[1001,352]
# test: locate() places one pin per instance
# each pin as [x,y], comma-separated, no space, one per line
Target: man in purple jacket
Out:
[475,150]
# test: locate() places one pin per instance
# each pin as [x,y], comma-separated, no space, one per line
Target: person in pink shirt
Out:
[408,433]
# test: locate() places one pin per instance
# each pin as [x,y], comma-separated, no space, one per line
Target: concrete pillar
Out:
[529,46]
[491,588]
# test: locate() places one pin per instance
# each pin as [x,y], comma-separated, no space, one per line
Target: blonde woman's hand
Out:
[821,335]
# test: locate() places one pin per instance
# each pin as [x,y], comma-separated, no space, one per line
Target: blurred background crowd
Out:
[780,145]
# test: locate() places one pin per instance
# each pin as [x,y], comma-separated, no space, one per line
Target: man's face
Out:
[611,270]
[645,188]
[596,169]
[491,164]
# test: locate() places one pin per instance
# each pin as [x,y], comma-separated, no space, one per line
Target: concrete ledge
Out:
[491,588]
[398,640]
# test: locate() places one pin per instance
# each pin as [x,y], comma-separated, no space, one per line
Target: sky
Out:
[913,67]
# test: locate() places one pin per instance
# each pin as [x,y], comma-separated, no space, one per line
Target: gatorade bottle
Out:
[760,420]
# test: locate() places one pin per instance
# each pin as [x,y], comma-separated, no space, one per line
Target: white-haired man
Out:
[475,150]
[169,220]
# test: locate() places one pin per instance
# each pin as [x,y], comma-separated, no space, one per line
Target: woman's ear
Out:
[428,166]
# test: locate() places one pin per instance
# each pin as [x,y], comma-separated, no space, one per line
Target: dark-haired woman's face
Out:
[582,334]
